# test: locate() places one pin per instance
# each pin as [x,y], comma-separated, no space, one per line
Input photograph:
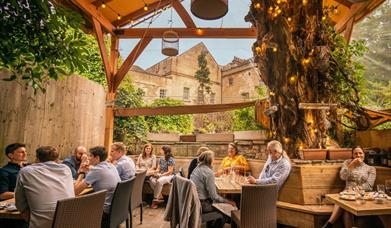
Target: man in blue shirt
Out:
[16,153]
[74,161]
[125,165]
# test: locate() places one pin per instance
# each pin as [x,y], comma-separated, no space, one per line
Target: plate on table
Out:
[347,197]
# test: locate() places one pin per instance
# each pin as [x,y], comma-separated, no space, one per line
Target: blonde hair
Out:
[202,149]
[206,158]
[277,146]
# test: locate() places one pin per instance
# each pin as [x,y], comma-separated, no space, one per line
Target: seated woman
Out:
[204,180]
[194,162]
[164,173]
[356,174]
[147,160]
[233,160]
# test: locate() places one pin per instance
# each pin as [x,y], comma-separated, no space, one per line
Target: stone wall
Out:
[251,144]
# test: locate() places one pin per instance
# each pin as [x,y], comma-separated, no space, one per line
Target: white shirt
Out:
[39,187]
[275,172]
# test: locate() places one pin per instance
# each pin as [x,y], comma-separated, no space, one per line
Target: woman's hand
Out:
[354,163]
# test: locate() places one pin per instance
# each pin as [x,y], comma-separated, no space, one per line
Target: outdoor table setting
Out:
[9,211]
[361,203]
[230,184]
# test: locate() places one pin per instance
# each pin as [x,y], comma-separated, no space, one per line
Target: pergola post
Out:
[109,125]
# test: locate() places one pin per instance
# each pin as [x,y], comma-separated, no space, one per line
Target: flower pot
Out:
[313,154]
[340,153]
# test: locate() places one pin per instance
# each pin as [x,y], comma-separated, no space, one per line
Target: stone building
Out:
[174,77]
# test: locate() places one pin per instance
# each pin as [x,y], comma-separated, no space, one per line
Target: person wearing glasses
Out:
[277,167]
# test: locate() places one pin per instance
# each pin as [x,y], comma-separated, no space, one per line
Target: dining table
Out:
[369,207]
[229,185]
[6,214]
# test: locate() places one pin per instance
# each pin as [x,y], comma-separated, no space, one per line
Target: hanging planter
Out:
[209,9]
[170,43]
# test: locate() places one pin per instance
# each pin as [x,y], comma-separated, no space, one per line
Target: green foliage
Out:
[244,119]
[42,41]
[214,122]
[202,74]
[129,129]
[169,124]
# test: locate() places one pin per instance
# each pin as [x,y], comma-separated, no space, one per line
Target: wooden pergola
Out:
[117,17]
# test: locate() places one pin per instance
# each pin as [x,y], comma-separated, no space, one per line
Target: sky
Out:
[223,50]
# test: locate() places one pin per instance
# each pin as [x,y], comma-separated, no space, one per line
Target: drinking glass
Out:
[380,188]
[388,187]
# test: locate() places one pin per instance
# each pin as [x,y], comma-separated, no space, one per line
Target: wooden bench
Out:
[303,216]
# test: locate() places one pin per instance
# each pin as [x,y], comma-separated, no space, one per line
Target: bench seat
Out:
[306,216]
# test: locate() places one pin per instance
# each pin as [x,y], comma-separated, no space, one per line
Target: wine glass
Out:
[380,188]
[388,187]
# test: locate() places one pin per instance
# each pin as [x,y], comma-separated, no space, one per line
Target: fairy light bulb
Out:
[292,79]
[323,18]
[257,5]
[305,2]
[145,7]
[274,49]
[289,19]
[103,5]
[119,17]
[199,32]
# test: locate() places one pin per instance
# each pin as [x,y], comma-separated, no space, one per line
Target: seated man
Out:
[74,161]
[102,176]
[277,166]
[16,153]
[41,185]
[125,165]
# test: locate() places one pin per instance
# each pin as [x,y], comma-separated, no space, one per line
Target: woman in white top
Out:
[147,160]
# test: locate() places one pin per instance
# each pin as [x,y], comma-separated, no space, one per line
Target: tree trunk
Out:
[291,55]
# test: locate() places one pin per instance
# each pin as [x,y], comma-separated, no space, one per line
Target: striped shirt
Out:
[275,172]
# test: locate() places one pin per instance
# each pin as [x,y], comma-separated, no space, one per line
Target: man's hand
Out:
[232,203]
[251,180]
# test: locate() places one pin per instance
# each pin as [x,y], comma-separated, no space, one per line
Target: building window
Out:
[200,96]
[212,98]
[186,93]
[245,95]
[230,81]
[163,93]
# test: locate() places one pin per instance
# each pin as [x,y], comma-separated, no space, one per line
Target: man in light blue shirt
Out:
[277,167]
[102,176]
[125,165]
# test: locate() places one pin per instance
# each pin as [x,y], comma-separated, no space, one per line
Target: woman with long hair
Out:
[147,160]
[164,173]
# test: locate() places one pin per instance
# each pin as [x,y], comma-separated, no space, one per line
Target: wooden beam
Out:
[232,33]
[109,124]
[142,13]
[99,2]
[346,3]
[183,14]
[349,30]
[93,12]
[102,49]
[114,53]
[137,50]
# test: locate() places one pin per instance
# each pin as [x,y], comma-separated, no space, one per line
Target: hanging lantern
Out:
[209,9]
[170,43]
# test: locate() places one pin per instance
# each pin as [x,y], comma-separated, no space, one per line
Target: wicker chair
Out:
[137,195]
[88,207]
[120,203]
[257,207]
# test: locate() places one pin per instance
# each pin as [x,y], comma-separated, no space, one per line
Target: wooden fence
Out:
[70,113]
[374,138]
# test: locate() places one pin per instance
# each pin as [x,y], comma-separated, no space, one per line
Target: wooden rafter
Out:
[346,3]
[93,12]
[233,33]
[137,50]
[142,13]
[102,49]
[357,11]
[99,2]
[183,14]
[349,30]
[114,53]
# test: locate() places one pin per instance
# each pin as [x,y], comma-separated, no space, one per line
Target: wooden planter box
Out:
[187,138]
[340,153]
[313,154]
